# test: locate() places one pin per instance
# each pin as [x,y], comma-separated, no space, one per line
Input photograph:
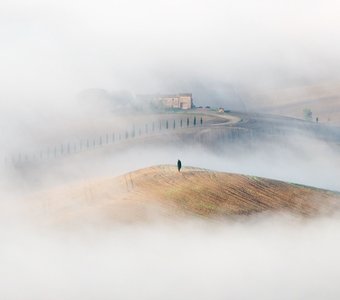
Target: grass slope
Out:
[162,191]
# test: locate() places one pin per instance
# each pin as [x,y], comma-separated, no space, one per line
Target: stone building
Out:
[181,101]
[172,101]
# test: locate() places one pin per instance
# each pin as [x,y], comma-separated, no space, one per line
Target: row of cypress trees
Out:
[87,144]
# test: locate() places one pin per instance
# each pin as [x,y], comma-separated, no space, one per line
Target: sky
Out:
[51,50]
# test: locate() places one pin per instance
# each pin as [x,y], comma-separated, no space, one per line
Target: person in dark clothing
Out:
[179,165]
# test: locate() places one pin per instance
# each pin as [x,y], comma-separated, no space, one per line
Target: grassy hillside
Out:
[323,99]
[162,191]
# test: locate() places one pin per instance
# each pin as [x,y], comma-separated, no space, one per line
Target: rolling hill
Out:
[163,192]
[323,99]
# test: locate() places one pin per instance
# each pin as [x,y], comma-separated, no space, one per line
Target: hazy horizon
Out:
[221,50]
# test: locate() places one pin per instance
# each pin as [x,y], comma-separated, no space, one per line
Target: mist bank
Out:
[251,144]
[258,258]
[53,50]
[53,136]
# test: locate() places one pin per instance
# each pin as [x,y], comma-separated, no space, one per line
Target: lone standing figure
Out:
[179,165]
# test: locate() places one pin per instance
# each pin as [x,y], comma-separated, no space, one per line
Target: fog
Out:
[262,258]
[259,257]
[54,54]
[219,50]
[296,158]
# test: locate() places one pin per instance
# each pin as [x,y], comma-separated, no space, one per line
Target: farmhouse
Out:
[176,101]
[181,101]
